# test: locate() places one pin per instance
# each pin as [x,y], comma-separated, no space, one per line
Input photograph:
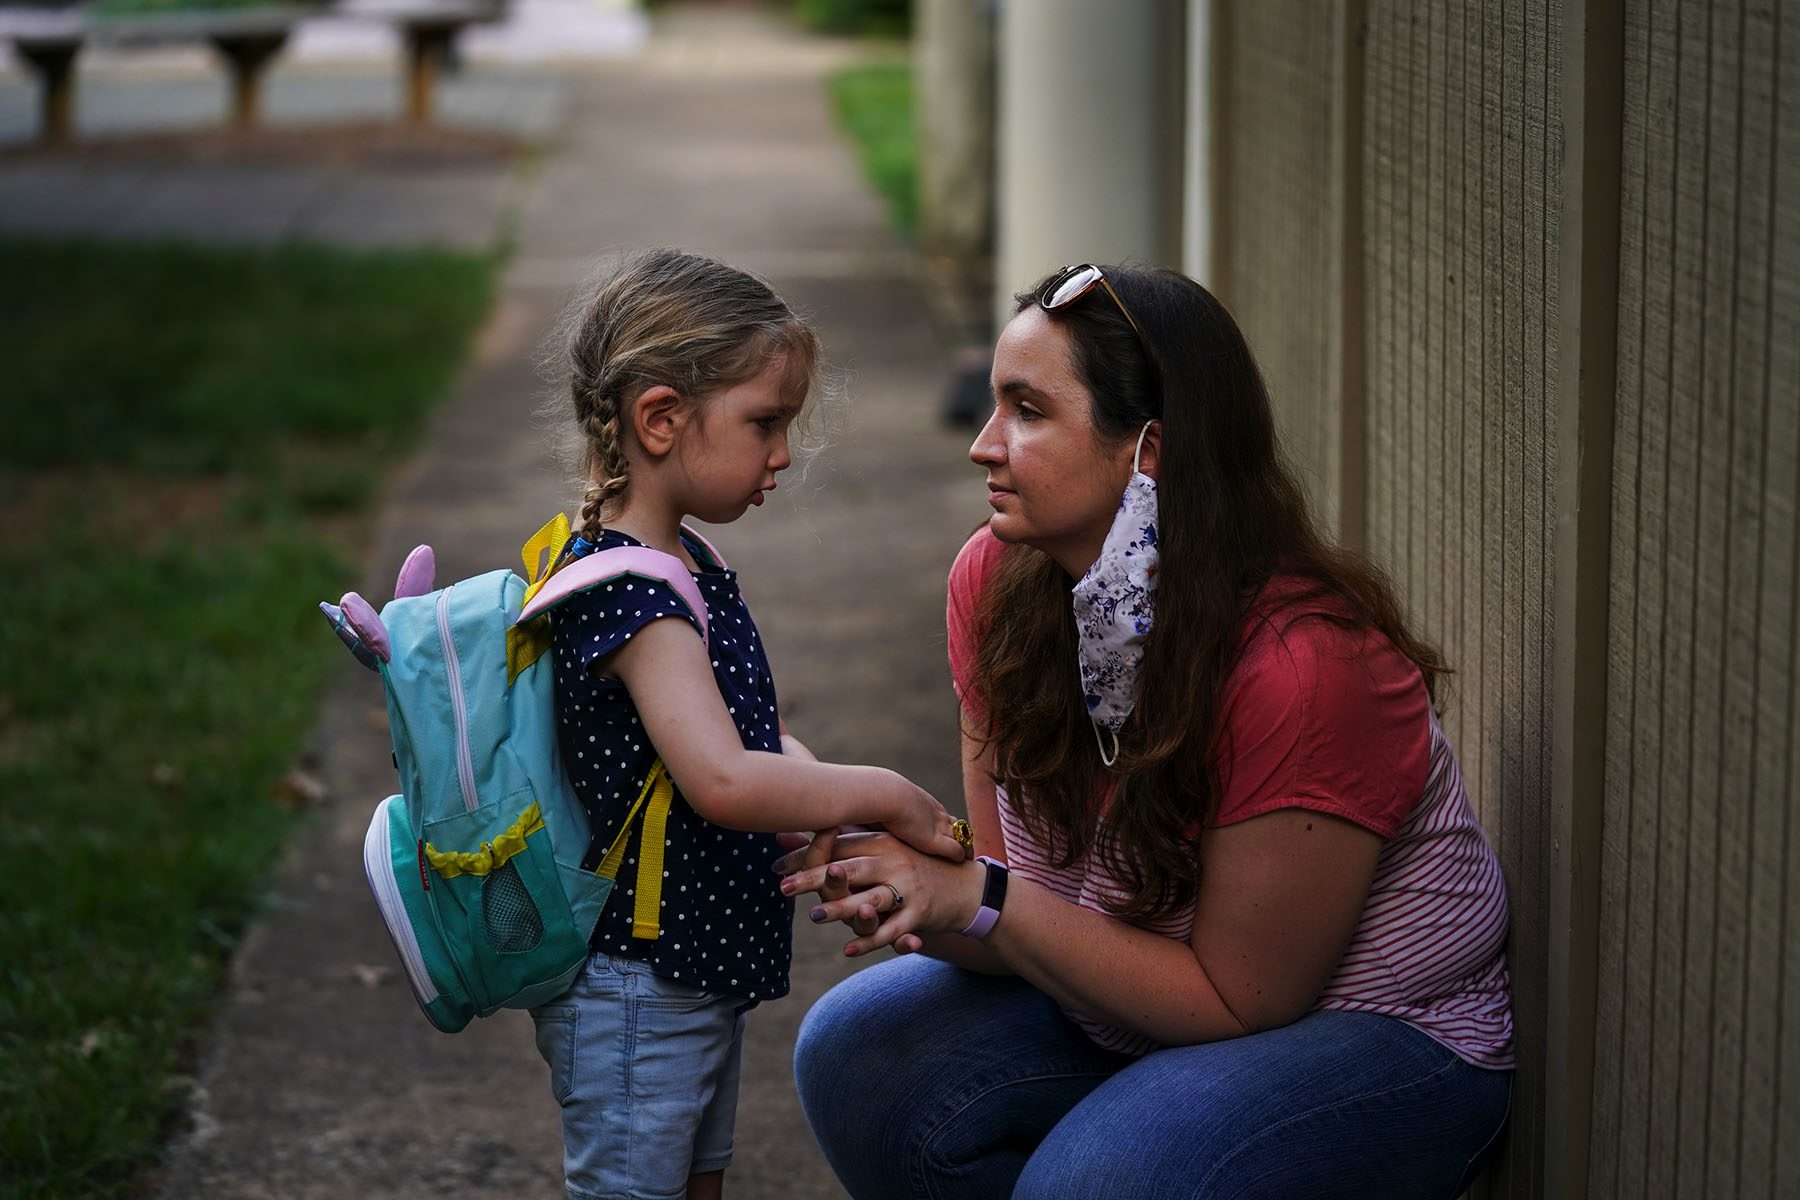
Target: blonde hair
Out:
[684,321]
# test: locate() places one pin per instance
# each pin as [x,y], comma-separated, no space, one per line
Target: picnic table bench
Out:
[248,39]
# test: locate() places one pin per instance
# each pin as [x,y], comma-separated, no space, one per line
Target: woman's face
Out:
[1051,483]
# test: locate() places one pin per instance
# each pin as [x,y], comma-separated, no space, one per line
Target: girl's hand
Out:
[925,826]
[886,880]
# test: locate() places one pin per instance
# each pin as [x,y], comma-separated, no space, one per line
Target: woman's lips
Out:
[995,493]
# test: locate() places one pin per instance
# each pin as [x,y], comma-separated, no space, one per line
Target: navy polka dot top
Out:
[726,927]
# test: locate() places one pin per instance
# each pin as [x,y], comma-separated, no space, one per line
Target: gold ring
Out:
[964,835]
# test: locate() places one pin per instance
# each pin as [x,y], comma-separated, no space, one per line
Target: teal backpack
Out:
[476,864]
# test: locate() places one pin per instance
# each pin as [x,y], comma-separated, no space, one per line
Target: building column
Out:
[1090,137]
[953,55]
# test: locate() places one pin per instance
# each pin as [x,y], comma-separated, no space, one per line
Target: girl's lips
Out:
[756,498]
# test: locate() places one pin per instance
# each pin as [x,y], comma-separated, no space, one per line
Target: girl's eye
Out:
[768,423]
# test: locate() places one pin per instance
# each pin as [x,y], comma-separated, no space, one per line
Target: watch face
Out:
[993,890]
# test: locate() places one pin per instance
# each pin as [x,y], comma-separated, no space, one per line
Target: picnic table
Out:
[248,39]
[48,40]
[429,27]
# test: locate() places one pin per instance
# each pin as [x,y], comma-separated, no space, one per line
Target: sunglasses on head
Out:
[1072,283]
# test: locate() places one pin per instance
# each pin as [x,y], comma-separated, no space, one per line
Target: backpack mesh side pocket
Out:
[514,925]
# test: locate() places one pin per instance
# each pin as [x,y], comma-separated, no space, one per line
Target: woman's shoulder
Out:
[1296,637]
[975,562]
[1321,708]
[977,559]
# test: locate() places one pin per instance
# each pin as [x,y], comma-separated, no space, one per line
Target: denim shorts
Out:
[646,1071]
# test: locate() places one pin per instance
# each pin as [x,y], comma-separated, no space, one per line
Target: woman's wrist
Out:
[971,879]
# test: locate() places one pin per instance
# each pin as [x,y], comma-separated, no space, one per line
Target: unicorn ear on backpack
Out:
[360,627]
[417,573]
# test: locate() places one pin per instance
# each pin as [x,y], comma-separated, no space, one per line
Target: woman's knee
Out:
[848,1022]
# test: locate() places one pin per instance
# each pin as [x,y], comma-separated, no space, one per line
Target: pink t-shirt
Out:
[1336,721]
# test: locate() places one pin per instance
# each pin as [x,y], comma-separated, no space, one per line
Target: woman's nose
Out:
[988,447]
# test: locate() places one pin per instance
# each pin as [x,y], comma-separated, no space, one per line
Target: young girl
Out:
[685,376]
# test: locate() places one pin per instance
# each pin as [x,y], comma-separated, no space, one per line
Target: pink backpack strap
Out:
[711,550]
[604,566]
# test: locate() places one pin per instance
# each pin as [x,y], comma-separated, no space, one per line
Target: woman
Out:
[1234,929]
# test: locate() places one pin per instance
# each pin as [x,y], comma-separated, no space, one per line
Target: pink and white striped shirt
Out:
[1336,722]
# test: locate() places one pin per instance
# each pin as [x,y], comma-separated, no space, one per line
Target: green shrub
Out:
[875,106]
[860,18]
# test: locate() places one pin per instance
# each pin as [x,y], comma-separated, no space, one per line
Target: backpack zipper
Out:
[378,865]
[465,765]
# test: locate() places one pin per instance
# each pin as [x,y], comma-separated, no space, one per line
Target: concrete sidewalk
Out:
[320,1079]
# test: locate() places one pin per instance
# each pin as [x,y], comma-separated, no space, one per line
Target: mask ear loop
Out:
[1102,743]
[1139,452]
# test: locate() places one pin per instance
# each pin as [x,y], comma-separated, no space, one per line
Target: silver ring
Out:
[898,898]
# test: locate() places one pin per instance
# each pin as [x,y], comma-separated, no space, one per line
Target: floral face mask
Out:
[1114,606]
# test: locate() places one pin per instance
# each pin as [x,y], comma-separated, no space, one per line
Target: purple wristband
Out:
[993,896]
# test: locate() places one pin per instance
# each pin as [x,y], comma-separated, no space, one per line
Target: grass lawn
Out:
[874,103]
[191,442]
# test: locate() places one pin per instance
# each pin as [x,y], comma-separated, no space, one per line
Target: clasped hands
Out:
[887,892]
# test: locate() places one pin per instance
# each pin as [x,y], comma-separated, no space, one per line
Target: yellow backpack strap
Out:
[646,917]
[659,791]
[526,643]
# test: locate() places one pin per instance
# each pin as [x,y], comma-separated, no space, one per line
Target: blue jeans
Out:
[924,1080]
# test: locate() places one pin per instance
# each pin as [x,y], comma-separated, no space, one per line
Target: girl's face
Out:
[1051,483]
[734,446]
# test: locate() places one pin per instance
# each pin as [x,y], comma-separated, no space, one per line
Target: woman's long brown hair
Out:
[1231,516]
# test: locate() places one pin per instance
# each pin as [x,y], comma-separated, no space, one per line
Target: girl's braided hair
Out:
[684,321]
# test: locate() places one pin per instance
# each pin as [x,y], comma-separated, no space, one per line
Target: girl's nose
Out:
[782,459]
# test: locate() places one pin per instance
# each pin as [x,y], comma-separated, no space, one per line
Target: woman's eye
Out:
[1029,414]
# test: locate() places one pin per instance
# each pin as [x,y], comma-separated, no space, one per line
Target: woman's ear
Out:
[1150,457]
[656,418]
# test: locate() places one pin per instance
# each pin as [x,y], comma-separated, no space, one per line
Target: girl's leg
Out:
[707,1185]
[921,1079]
[1334,1105]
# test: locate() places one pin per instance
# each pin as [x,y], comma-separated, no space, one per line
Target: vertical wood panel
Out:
[1699,923]
[1626,833]
[1283,254]
[1715,817]
[1782,345]
[1462,186]
[1762,632]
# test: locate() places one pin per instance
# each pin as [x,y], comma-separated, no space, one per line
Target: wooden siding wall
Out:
[1466,315]
[1697,1053]
[1461,179]
[1279,268]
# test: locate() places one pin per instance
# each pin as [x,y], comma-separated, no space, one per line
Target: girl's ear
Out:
[656,418]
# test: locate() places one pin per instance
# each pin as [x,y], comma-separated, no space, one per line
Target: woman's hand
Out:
[816,851]
[884,879]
